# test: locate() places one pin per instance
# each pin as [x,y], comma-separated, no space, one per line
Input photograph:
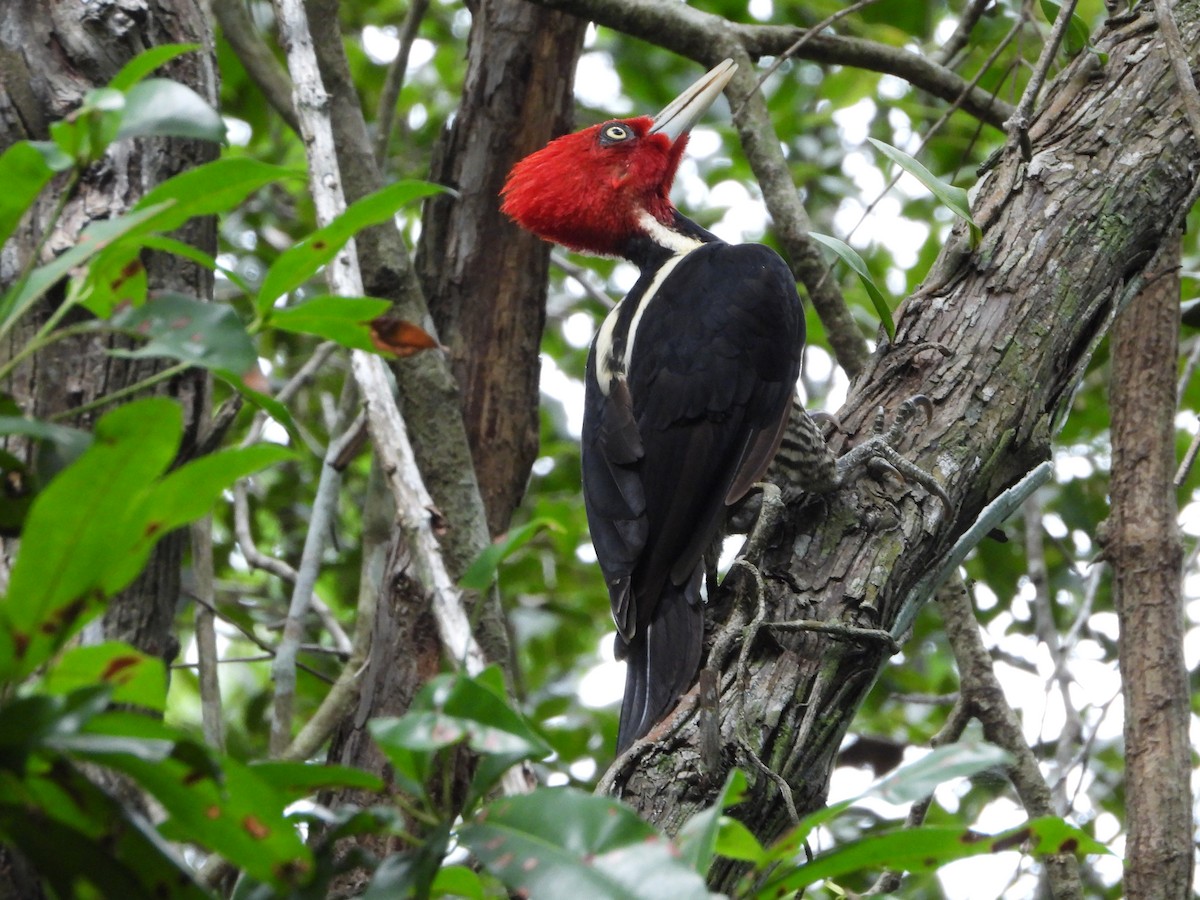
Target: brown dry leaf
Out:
[391,334]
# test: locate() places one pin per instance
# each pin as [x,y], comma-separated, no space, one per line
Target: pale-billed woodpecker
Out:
[689,381]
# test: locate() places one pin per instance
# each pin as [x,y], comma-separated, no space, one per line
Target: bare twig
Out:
[762,148]
[962,33]
[1018,123]
[942,119]
[268,650]
[1188,94]
[581,277]
[1047,633]
[808,35]
[1189,366]
[385,115]
[256,57]
[283,670]
[377,520]
[984,698]
[206,636]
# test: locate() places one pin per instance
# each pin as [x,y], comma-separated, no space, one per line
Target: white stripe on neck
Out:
[665,236]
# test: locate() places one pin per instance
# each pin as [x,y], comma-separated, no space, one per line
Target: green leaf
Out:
[1076,38]
[457,881]
[482,572]
[954,198]
[199,257]
[191,331]
[216,187]
[917,780]
[115,278]
[559,842]
[411,873]
[89,533]
[95,238]
[160,106]
[736,841]
[24,171]
[101,846]
[83,522]
[272,407]
[146,62]
[297,780]
[135,678]
[57,446]
[929,847]
[882,307]
[53,154]
[346,320]
[301,262]
[697,838]
[451,709]
[240,816]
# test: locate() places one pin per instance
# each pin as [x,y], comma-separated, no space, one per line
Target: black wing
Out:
[693,423]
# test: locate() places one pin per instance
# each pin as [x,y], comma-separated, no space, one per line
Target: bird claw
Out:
[879,456]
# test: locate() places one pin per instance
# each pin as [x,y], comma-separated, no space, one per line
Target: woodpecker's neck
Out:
[655,242]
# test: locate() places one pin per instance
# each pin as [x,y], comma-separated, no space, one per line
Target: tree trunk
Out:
[485,284]
[1146,552]
[998,337]
[484,277]
[50,55]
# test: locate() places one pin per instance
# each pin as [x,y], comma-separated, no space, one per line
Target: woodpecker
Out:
[688,385]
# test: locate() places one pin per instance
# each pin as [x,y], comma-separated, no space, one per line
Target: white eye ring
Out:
[616,132]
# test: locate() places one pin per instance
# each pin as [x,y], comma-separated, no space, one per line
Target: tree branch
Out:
[984,699]
[704,37]
[387,425]
[256,57]
[1144,547]
[998,345]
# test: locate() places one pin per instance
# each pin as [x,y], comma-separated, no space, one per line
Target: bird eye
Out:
[614,133]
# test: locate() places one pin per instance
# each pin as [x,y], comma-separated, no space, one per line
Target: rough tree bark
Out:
[484,282]
[51,54]
[484,277]
[998,337]
[1146,552]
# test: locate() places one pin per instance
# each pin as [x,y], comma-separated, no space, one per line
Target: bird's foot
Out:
[878,453]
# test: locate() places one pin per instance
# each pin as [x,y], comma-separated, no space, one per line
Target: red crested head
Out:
[592,190]
[587,190]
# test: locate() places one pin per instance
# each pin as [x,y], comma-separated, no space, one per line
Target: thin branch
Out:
[1188,94]
[1018,123]
[970,17]
[706,37]
[253,638]
[808,35]
[942,120]
[765,155]
[1047,633]
[337,704]
[256,57]
[581,277]
[385,115]
[984,697]
[283,671]
[211,718]
[1189,368]
[388,429]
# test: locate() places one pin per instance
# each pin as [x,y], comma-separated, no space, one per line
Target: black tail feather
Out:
[662,660]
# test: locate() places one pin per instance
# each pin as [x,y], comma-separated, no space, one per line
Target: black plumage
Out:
[688,391]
